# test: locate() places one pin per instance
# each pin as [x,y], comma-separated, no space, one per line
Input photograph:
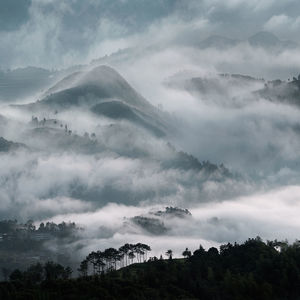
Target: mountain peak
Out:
[217,41]
[101,75]
[263,39]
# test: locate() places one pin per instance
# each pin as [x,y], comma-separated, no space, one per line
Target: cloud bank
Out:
[71,32]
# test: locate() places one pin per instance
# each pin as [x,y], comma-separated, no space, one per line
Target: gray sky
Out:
[56,33]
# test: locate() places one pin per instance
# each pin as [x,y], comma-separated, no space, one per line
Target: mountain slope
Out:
[252,270]
[6,146]
[218,42]
[263,39]
[102,82]
[119,110]
[105,92]
[282,92]
[267,40]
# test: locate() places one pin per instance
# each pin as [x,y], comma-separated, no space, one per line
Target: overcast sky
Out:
[56,33]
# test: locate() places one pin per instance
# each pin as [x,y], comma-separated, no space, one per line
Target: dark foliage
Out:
[252,270]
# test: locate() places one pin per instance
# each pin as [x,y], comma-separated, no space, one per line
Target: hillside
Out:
[282,91]
[101,82]
[252,270]
[104,92]
[6,145]
[263,40]
[269,41]
[218,42]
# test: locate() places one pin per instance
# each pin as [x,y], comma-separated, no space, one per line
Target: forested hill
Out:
[252,270]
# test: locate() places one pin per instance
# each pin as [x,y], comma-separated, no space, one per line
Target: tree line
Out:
[13,228]
[252,270]
[98,262]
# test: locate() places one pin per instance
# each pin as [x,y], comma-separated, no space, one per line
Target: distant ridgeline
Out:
[213,88]
[282,91]
[24,244]
[11,229]
[252,270]
[154,222]
[6,145]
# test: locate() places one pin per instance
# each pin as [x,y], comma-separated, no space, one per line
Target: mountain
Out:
[218,42]
[224,89]
[158,222]
[268,40]
[264,39]
[124,126]
[101,82]
[282,91]
[104,92]
[67,81]
[261,39]
[6,146]
[236,86]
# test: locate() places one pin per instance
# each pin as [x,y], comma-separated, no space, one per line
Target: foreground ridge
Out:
[252,270]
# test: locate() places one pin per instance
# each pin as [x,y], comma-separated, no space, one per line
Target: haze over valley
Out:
[170,123]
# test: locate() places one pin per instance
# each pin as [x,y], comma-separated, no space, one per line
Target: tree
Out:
[30,225]
[35,273]
[42,227]
[213,251]
[16,275]
[124,250]
[145,249]
[54,271]
[111,255]
[131,256]
[83,268]
[5,273]
[186,253]
[138,249]
[169,254]
[92,258]
[67,273]
[100,262]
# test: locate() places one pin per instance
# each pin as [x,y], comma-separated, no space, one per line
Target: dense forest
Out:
[252,270]
[23,244]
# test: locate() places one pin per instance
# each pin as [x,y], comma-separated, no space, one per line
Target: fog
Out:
[100,157]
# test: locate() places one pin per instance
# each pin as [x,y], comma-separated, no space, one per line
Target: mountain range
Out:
[262,39]
[104,92]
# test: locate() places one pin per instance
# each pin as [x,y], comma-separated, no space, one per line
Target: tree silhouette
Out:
[100,264]
[5,273]
[131,256]
[186,253]
[92,259]
[169,254]
[124,250]
[16,275]
[83,268]
[67,273]
[54,271]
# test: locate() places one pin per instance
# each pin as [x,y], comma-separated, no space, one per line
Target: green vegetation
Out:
[252,270]
[22,245]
